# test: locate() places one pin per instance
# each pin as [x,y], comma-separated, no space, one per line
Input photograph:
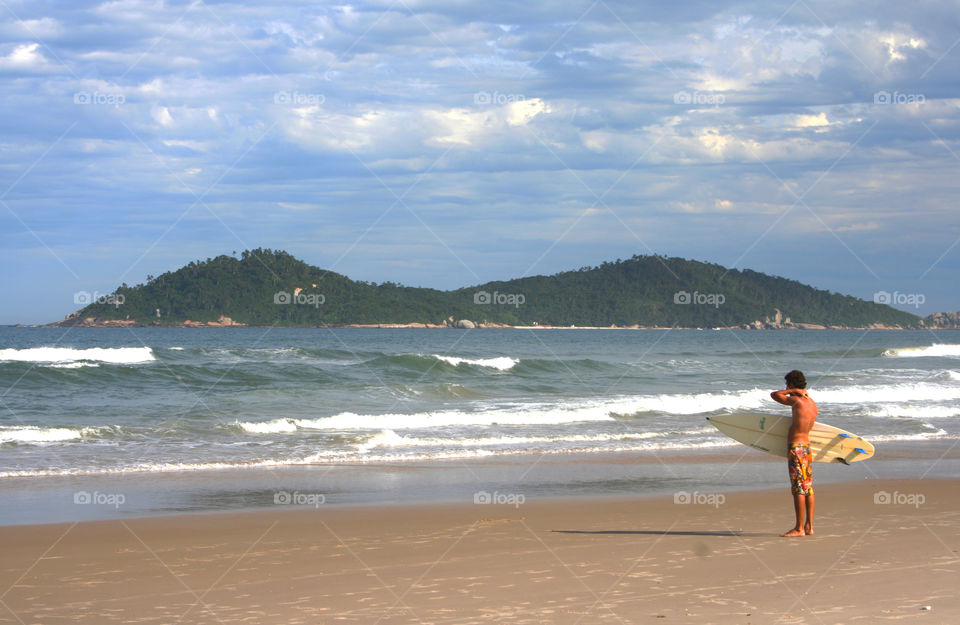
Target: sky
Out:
[447,143]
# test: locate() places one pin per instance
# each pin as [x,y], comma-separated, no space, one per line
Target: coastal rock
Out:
[465,324]
[224,322]
[777,322]
[401,326]
[73,320]
[944,320]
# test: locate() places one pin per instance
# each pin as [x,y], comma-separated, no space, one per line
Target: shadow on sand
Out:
[670,533]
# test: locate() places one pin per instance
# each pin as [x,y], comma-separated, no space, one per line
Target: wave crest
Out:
[937,350]
[66,355]
[31,434]
[503,363]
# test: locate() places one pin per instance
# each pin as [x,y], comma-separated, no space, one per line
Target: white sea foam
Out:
[61,355]
[276,426]
[890,394]
[351,457]
[921,436]
[529,414]
[503,363]
[347,457]
[71,365]
[914,411]
[389,438]
[533,415]
[685,404]
[34,434]
[935,350]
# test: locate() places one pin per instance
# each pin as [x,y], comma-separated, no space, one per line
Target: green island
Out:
[264,287]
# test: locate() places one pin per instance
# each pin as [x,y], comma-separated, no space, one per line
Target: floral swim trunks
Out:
[801,474]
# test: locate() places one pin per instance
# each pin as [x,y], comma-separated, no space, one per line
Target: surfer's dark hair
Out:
[796,379]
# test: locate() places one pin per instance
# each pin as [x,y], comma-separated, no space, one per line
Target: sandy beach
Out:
[883,551]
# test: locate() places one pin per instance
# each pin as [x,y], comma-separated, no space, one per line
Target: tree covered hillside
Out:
[266,287]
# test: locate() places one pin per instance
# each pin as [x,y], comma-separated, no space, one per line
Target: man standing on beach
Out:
[798,449]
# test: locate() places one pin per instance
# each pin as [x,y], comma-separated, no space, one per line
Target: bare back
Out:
[805,413]
[804,416]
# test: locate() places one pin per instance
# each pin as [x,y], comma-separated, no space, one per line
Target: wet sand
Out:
[883,550]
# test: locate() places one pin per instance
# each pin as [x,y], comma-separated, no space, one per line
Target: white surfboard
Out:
[768,432]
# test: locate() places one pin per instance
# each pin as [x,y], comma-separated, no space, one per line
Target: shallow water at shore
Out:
[502,479]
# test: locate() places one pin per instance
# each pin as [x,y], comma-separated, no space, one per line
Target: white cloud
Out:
[25,57]
[199,146]
[818,122]
[41,28]
[520,113]
[468,127]
[743,53]
[395,133]
[161,115]
[899,44]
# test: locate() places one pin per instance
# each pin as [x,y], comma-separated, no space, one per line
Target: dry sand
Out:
[642,560]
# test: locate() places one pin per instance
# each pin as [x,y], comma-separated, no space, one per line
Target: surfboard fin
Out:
[844,461]
[845,436]
[862,451]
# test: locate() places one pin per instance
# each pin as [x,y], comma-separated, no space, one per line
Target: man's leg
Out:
[808,526]
[799,505]
[806,486]
[795,457]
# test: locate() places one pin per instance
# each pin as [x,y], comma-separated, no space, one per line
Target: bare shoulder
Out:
[806,405]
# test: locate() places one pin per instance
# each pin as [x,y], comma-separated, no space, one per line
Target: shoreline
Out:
[884,550]
[803,327]
[118,495]
[500,504]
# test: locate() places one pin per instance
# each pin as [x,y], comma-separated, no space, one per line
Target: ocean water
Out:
[154,402]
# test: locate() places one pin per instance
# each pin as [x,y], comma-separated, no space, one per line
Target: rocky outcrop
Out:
[222,322]
[465,324]
[810,326]
[943,320]
[74,320]
[777,322]
[780,322]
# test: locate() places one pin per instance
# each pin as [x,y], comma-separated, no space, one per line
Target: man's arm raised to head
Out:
[787,396]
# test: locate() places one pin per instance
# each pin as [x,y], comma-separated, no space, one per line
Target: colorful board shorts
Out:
[801,473]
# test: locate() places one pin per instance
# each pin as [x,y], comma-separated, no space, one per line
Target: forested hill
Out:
[265,287]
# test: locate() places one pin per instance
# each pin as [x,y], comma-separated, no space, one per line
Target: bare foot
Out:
[793,533]
[808,530]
